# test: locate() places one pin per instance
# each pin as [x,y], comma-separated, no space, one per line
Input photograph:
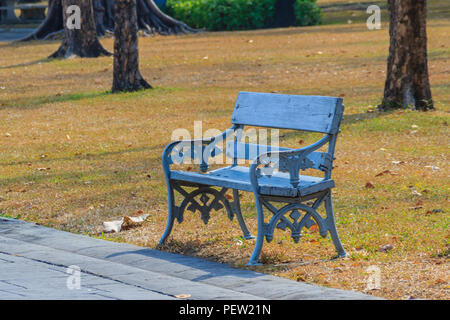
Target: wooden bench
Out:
[274,174]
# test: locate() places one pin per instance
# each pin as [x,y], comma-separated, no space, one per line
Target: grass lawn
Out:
[72,155]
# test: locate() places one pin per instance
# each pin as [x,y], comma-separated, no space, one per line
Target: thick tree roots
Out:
[151,20]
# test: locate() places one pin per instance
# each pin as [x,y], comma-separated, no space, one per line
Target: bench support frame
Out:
[289,217]
[203,199]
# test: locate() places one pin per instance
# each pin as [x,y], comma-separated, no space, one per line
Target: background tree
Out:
[81,41]
[407,82]
[150,19]
[52,23]
[126,62]
[284,14]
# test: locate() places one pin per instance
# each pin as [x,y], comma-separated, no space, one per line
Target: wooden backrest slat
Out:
[308,113]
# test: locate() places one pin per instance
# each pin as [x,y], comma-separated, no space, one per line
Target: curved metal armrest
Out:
[198,150]
[288,160]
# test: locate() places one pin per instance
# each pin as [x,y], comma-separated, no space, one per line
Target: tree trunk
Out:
[150,19]
[52,23]
[126,62]
[284,14]
[407,82]
[82,41]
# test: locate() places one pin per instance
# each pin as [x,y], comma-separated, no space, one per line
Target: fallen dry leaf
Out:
[386,248]
[369,185]
[314,228]
[386,172]
[117,225]
[382,173]
[337,269]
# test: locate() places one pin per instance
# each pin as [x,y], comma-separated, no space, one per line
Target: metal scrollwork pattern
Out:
[293,221]
[203,200]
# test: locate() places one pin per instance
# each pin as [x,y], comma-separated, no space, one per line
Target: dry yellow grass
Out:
[73,155]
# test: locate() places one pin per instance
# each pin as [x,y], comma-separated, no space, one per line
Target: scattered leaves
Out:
[386,172]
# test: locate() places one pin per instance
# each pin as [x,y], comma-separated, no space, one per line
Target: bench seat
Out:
[238,177]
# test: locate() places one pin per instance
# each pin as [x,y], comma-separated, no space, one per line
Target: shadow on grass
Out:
[19,44]
[77,176]
[27,64]
[36,102]
[32,103]
[357,117]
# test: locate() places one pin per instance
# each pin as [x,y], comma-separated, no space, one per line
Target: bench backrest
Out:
[308,113]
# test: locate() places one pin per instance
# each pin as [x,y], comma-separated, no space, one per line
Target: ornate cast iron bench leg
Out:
[288,216]
[236,205]
[332,226]
[208,199]
[254,259]
[171,216]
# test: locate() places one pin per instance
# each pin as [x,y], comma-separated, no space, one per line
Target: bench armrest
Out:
[292,161]
[199,150]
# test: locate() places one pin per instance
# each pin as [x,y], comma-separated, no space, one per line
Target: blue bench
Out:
[274,174]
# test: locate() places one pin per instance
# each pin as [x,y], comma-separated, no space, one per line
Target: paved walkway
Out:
[34,264]
[14,33]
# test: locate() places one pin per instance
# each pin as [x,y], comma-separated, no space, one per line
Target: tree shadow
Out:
[86,156]
[32,103]
[19,43]
[356,117]
[26,64]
